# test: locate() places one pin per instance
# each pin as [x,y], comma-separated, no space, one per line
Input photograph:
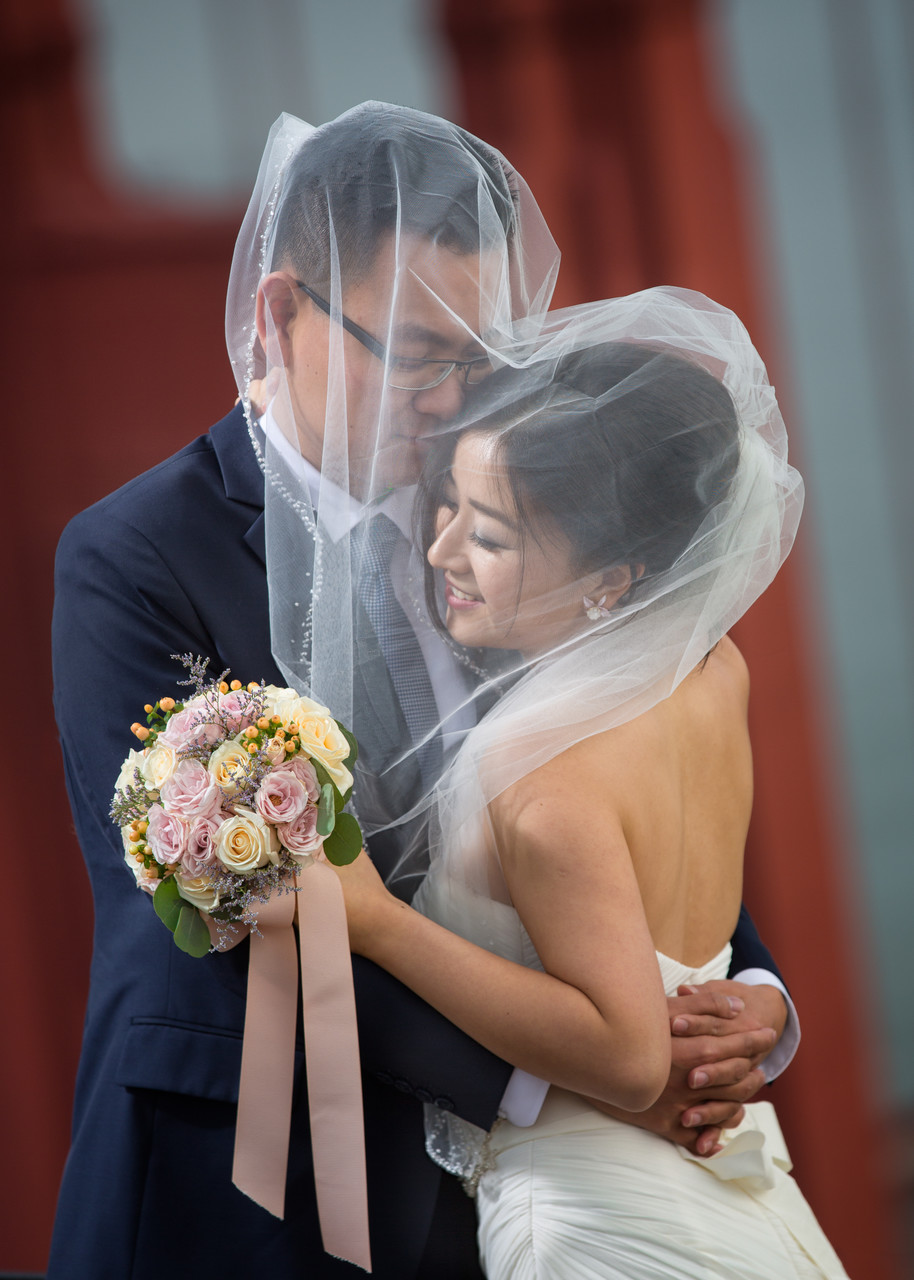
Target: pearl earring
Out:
[595,609]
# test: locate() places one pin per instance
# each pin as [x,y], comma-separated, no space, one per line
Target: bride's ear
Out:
[612,584]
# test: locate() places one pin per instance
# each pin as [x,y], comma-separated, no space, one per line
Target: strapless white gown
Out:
[580,1196]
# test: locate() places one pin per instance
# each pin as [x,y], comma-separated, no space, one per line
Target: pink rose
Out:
[200,853]
[237,709]
[191,792]
[166,835]
[303,770]
[185,729]
[281,797]
[300,837]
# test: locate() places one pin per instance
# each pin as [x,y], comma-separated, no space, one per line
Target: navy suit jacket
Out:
[174,563]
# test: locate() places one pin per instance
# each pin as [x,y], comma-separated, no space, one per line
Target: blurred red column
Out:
[114,357]
[607,109]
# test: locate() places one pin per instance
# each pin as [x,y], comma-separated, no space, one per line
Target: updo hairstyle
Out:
[622,448]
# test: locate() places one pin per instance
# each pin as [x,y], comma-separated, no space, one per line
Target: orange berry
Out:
[251,732]
[236,684]
[167,704]
[252,748]
[139,731]
[253,687]
[290,747]
[148,708]
[223,687]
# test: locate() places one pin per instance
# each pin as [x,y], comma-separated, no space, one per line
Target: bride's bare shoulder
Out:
[607,768]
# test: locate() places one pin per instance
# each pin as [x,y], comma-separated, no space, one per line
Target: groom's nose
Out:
[444,401]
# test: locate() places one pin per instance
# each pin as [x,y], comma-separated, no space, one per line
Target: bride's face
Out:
[505,588]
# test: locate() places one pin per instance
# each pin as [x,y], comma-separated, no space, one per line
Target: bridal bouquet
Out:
[233,791]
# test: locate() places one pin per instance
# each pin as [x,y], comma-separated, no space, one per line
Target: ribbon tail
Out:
[268,1060]
[332,1058]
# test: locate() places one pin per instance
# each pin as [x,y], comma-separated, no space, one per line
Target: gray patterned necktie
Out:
[375,543]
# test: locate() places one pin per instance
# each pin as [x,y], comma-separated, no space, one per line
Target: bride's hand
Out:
[721,1031]
[366,899]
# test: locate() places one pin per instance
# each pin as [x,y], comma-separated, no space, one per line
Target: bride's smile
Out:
[506,586]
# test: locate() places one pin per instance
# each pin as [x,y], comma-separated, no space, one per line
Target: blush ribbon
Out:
[331,1058]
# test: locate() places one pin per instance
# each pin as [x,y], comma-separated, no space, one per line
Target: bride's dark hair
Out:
[621,448]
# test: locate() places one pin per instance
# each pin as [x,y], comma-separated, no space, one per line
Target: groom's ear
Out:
[279,302]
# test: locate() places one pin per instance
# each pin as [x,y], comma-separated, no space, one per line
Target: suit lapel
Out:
[241,474]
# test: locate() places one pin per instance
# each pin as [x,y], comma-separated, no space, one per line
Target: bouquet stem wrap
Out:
[331,1056]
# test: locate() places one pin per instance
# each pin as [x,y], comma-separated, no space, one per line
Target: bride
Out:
[605,510]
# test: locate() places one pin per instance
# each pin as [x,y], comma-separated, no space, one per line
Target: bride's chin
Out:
[460,631]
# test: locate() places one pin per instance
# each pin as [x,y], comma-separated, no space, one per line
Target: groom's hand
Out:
[721,1031]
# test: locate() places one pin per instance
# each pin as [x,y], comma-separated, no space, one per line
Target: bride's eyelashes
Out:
[485,543]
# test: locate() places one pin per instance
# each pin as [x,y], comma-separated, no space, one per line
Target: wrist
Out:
[374,933]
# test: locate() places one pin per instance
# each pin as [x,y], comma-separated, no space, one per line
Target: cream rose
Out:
[274,698]
[125,778]
[159,764]
[228,763]
[198,890]
[320,737]
[245,842]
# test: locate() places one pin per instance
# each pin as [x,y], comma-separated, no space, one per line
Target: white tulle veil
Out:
[651,414]
[645,430]
[375,250]
[389,302]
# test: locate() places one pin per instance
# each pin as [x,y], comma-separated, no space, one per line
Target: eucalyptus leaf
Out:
[323,776]
[168,902]
[326,810]
[353,746]
[191,934]
[344,844]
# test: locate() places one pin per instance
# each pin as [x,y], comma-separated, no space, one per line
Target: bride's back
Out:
[680,779]
[677,782]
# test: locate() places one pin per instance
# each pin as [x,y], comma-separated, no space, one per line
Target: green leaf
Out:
[326,810]
[353,746]
[191,934]
[323,776]
[344,844]
[168,902]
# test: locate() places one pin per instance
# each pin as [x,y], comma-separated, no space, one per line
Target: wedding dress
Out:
[581,1196]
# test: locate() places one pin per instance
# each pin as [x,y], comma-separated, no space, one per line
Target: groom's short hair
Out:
[378,169]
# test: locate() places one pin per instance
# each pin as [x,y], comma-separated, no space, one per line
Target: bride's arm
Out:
[596,1022]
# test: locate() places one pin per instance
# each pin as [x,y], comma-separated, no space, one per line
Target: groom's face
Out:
[420,302]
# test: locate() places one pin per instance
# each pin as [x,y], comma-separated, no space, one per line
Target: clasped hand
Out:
[721,1031]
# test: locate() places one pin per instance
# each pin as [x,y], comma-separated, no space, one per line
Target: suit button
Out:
[423,1095]
[446,1104]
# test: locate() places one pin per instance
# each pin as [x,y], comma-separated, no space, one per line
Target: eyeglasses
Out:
[404,372]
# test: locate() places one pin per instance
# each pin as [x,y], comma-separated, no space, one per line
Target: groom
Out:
[173,563]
